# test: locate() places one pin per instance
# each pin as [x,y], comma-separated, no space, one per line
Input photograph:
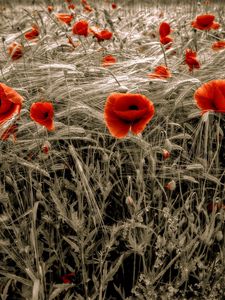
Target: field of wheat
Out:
[112,150]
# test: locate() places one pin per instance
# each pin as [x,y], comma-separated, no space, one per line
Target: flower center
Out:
[133,107]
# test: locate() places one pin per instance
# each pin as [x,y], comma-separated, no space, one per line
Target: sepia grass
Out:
[98,206]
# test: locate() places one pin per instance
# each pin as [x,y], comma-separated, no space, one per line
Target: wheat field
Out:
[95,217]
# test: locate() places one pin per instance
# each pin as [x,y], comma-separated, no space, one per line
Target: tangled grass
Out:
[97,206]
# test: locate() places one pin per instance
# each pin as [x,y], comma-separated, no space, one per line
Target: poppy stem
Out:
[164,54]
[82,45]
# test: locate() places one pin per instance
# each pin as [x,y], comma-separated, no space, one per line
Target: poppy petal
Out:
[211,96]
[164,29]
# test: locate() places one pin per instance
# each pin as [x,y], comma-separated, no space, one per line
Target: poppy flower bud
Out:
[46,147]
[219,236]
[166,154]
[130,201]
[171,185]
[8,180]
[122,89]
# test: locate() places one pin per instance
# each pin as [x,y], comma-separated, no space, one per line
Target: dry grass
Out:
[98,206]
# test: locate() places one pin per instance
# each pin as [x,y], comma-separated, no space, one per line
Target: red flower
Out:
[50,8]
[64,18]
[33,33]
[164,29]
[101,35]
[10,102]
[205,22]
[211,96]
[9,131]
[219,45]
[80,28]
[160,72]
[71,6]
[114,6]
[127,111]
[43,113]
[166,40]
[15,50]
[191,59]
[68,1]
[108,60]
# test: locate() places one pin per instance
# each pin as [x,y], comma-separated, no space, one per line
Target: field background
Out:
[97,206]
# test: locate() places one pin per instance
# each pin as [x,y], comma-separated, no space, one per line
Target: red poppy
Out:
[219,45]
[205,22]
[191,59]
[101,35]
[160,72]
[114,6]
[68,278]
[166,154]
[9,131]
[33,33]
[80,28]
[84,2]
[64,18]
[166,40]
[15,50]
[10,102]
[211,96]
[127,111]
[68,1]
[43,113]
[71,6]
[108,60]
[50,8]
[164,29]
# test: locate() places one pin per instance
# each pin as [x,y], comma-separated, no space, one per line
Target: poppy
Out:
[219,45]
[108,60]
[64,18]
[84,2]
[191,59]
[43,113]
[205,22]
[164,29]
[127,111]
[211,96]
[80,28]
[50,8]
[71,6]
[68,278]
[166,40]
[10,102]
[68,1]
[9,131]
[114,6]
[15,50]
[101,35]
[33,33]
[160,72]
